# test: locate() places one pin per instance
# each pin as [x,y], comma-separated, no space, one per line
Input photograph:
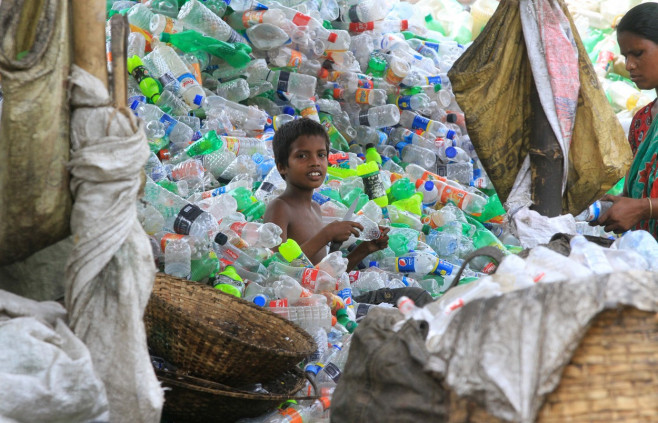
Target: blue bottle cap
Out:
[451,134]
[260,300]
[287,110]
[429,185]
[198,99]
[451,152]
[257,158]
[373,264]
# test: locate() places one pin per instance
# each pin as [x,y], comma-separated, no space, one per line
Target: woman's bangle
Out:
[650,208]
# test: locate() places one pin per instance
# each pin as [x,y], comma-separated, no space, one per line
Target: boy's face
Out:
[307,162]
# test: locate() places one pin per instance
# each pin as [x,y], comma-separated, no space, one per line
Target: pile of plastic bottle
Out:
[212,80]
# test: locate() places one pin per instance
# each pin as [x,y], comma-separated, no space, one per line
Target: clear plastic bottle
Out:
[172,104]
[285,57]
[366,11]
[161,23]
[235,90]
[217,162]
[229,252]
[266,235]
[378,117]
[140,16]
[643,243]
[190,89]
[177,132]
[313,279]
[293,83]
[421,156]
[413,102]
[314,313]
[136,44]
[272,186]
[251,18]
[266,36]
[195,15]
[590,255]
[178,259]
[411,120]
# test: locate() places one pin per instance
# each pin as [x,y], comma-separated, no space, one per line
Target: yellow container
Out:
[482,11]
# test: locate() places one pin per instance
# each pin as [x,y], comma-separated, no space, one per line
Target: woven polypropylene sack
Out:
[384,380]
[493,78]
[34,133]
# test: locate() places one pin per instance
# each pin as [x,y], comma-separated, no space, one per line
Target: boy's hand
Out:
[379,243]
[340,231]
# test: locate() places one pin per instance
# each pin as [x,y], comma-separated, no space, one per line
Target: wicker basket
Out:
[216,336]
[612,376]
[193,400]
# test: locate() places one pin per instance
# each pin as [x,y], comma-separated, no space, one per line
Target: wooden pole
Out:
[119,28]
[89,37]
[546,160]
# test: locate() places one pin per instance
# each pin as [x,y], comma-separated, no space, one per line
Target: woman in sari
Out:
[637,35]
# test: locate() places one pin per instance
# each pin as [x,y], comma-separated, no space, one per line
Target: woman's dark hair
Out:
[641,20]
[289,132]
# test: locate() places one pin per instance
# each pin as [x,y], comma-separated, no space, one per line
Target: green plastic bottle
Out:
[343,318]
[147,85]
[374,188]
[203,268]
[402,189]
[255,211]
[355,193]
[230,282]
[618,188]
[492,209]
[243,197]
[236,55]
[412,204]
[207,144]
[336,139]
[434,25]
[372,155]
[293,254]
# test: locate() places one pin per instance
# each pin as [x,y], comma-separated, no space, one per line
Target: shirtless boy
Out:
[300,149]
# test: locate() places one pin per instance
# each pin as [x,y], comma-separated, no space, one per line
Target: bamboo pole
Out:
[89,37]
[119,28]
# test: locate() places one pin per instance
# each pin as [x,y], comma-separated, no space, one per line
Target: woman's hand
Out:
[340,231]
[624,214]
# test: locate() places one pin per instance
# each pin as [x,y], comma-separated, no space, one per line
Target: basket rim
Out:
[245,341]
[188,382]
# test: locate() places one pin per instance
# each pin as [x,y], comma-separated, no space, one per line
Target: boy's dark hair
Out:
[289,132]
[642,20]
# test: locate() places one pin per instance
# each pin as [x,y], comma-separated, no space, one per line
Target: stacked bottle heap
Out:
[213,80]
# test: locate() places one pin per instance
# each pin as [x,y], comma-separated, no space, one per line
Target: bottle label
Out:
[433,46]
[309,111]
[404,25]
[282,85]
[237,227]
[453,194]
[337,93]
[392,78]
[267,187]
[140,73]
[236,38]
[232,144]
[309,278]
[354,276]
[443,268]
[433,80]
[169,26]
[167,239]
[169,123]
[279,303]
[187,80]
[362,96]
[353,13]
[166,79]
[420,122]
[295,60]
[373,186]
[405,265]
[346,295]
[301,19]
[404,102]
[361,26]
[319,198]
[333,372]
[292,415]
[363,119]
[186,216]
[252,17]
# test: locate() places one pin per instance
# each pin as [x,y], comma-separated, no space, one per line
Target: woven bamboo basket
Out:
[193,400]
[216,336]
[612,376]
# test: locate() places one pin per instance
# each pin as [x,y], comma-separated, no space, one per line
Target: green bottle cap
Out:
[290,250]
[367,168]
[427,229]
[165,37]
[229,289]
[230,272]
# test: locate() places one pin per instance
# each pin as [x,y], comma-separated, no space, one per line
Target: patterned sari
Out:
[643,176]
